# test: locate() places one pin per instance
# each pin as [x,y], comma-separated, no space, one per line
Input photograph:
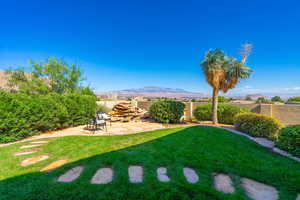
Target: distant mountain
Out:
[153,91]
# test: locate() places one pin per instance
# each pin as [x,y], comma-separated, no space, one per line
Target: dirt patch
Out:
[223,183]
[103,176]
[25,153]
[39,142]
[71,174]
[33,160]
[30,146]
[54,165]
[135,173]
[259,191]
[190,175]
[162,174]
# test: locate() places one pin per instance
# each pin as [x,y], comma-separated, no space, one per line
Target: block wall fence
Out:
[288,114]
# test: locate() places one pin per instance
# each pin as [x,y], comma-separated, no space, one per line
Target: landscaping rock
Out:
[162,174]
[71,174]
[54,165]
[39,142]
[223,183]
[259,191]
[24,153]
[103,176]
[33,160]
[135,174]
[190,175]
[298,197]
[30,146]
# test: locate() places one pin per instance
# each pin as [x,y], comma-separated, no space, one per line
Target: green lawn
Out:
[205,149]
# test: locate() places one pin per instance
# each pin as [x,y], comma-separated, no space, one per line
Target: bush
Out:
[226,113]
[167,111]
[289,139]
[294,99]
[103,108]
[263,100]
[23,115]
[258,125]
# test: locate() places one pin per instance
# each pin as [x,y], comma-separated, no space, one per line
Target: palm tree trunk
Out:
[215,106]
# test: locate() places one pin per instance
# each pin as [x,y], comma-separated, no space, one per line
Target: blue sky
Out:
[134,43]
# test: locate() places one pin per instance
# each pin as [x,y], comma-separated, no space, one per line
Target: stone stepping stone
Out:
[33,160]
[259,191]
[135,173]
[30,146]
[39,142]
[190,175]
[71,174]
[223,183]
[162,174]
[103,176]
[54,165]
[24,153]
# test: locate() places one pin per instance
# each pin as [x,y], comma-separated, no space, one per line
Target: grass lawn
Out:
[206,149]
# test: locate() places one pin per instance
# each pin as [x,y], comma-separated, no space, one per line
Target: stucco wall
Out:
[289,114]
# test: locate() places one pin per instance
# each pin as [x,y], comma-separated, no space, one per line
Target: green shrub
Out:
[103,108]
[23,115]
[226,112]
[167,111]
[258,125]
[289,139]
[294,99]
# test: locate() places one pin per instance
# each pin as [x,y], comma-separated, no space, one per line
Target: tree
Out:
[263,100]
[223,73]
[277,99]
[294,99]
[248,98]
[53,75]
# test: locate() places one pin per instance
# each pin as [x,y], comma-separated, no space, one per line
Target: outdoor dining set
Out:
[99,121]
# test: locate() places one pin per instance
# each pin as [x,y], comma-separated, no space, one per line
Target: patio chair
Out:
[103,115]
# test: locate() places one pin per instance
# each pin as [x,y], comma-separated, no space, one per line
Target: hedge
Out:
[23,115]
[289,139]
[258,125]
[167,111]
[226,112]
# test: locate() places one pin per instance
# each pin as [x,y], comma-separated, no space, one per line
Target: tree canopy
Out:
[53,75]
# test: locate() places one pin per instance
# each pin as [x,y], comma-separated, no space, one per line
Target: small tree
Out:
[53,75]
[223,73]
[277,99]
[263,100]
[248,98]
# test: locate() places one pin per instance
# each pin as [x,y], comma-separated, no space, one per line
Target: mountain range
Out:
[152,91]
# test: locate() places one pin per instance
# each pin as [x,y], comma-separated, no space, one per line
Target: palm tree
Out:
[223,73]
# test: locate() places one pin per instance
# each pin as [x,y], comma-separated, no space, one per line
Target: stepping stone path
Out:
[30,146]
[259,191]
[71,174]
[33,160]
[103,176]
[190,175]
[223,183]
[135,173]
[54,165]
[24,153]
[39,142]
[162,174]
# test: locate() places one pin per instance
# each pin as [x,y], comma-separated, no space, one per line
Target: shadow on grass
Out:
[205,149]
